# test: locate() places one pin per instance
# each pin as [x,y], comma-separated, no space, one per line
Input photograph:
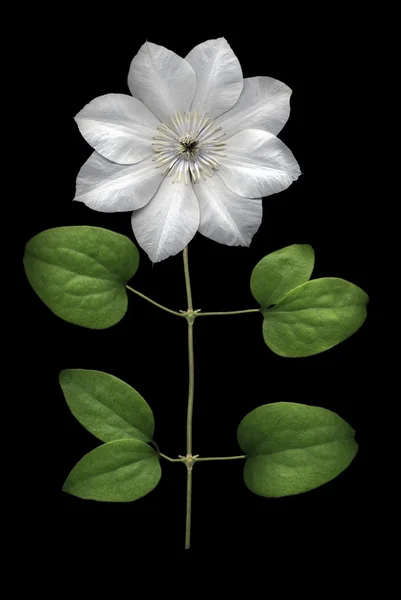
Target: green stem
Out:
[197,459]
[221,458]
[173,312]
[171,459]
[189,507]
[190,319]
[230,312]
[187,279]
[190,409]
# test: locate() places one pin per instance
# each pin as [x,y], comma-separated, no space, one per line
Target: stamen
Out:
[192,170]
[202,135]
[189,147]
[180,120]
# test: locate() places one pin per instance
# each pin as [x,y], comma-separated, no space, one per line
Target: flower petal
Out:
[119,127]
[257,164]
[164,81]
[218,77]
[226,217]
[109,187]
[168,223]
[264,104]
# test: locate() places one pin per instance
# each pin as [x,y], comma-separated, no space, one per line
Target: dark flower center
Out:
[188,146]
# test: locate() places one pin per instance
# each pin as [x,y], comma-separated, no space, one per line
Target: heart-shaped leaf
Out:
[314,317]
[119,471]
[80,273]
[292,448]
[281,271]
[106,406]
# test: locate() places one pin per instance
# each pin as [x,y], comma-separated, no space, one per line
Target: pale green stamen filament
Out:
[189,147]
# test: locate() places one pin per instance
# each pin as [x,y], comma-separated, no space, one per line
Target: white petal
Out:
[168,223]
[109,187]
[264,104]
[257,164]
[226,217]
[218,77]
[164,81]
[119,127]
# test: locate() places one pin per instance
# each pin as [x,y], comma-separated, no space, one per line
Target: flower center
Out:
[188,147]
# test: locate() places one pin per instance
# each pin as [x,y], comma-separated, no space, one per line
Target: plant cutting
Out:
[194,149]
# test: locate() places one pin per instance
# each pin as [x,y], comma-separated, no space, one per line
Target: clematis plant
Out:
[193,149]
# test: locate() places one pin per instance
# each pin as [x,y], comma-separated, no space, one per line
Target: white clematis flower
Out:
[195,148]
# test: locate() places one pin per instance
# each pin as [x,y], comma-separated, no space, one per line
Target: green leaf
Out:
[106,406]
[293,448]
[281,271]
[120,471]
[80,273]
[314,317]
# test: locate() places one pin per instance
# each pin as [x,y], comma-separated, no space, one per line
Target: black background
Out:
[234,370]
